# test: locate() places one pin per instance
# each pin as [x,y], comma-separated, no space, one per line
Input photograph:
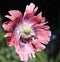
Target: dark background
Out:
[48,7]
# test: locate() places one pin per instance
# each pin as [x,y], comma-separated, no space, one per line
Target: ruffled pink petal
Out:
[41,26]
[44,35]
[8,26]
[37,19]
[24,51]
[30,50]
[8,34]
[10,17]
[10,40]
[40,18]
[21,51]
[15,15]
[30,10]
[37,45]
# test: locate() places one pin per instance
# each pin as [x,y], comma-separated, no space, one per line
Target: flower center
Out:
[27,29]
[26,33]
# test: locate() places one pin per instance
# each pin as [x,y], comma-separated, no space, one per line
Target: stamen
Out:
[27,29]
[24,40]
[26,33]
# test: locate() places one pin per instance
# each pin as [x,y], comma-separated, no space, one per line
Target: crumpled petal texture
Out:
[38,23]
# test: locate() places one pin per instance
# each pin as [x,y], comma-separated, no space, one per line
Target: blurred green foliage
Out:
[8,54]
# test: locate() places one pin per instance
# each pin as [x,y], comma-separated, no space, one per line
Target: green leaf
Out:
[2,32]
[58,57]
[41,56]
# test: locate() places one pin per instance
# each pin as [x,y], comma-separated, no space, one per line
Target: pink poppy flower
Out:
[27,33]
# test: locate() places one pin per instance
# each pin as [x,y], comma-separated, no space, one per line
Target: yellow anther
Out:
[27,29]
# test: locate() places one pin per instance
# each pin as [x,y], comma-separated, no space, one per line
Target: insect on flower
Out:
[27,33]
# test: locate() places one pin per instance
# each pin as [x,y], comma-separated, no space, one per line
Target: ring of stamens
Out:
[27,33]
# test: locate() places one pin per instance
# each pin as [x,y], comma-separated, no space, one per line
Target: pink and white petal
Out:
[38,46]
[35,10]
[43,23]
[15,42]
[21,56]
[30,55]
[30,7]
[15,16]
[40,16]
[38,26]
[16,35]
[30,51]
[34,20]
[10,40]
[43,35]
[38,19]
[45,32]
[22,53]
[10,17]
[8,34]
[45,27]
[8,26]
[15,13]
[41,19]
[30,10]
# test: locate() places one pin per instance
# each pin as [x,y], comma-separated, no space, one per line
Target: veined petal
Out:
[23,54]
[8,26]
[40,26]
[37,19]
[43,35]
[15,15]
[37,45]
[30,50]
[40,18]
[10,40]
[30,10]
[10,17]
[8,34]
